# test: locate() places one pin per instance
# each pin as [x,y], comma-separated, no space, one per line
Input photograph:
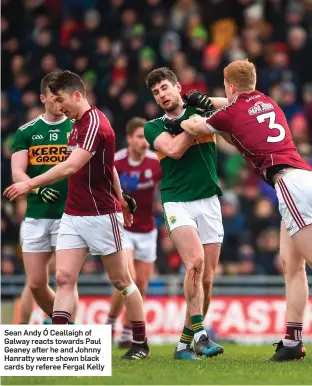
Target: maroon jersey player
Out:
[257,127]
[139,171]
[92,220]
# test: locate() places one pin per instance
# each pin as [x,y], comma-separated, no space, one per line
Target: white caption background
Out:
[55,350]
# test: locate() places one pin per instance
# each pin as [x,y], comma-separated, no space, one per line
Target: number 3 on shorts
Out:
[272,125]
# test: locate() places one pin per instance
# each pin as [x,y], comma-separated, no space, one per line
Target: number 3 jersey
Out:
[46,144]
[259,130]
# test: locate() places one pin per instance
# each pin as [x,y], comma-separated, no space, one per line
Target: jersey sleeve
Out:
[151,132]
[20,142]
[90,136]
[220,120]
[117,165]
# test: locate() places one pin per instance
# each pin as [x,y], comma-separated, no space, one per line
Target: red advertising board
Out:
[235,317]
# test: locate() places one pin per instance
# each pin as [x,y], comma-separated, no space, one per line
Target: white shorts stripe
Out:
[117,231]
[290,204]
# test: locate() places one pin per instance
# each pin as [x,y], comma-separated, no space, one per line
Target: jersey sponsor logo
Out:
[47,154]
[260,107]
[172,219]
[37,136]
[54,131]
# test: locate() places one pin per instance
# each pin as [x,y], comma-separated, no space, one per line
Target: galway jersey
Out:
[194,175]
[46,144]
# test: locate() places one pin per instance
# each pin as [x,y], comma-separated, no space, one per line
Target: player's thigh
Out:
[35,235]
[188,244]
[144,271]
[303,243]
[52,263]
[145,246]
[36,267]
[68,265]
[292,260]
[212,254]
[103,235]
[130,262]
[209,220]
[116,266]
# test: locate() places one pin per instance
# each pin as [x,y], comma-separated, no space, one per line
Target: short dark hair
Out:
[133,124]
[67,81]
[46,80]
[160,74]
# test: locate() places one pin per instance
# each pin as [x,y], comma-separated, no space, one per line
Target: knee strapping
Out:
[128,290]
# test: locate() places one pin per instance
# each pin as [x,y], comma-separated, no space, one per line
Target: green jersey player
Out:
[189,192]
[39,145]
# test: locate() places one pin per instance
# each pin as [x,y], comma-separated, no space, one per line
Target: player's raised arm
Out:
[173,147]
[197,126]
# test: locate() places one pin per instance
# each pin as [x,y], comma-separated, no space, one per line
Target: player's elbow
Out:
[71,169]
[175,154]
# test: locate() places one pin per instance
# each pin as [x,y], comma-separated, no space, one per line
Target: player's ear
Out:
[179,87]
[43,99]
[77,96]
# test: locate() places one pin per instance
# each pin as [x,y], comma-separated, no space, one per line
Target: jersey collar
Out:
[177,117]
[53,123]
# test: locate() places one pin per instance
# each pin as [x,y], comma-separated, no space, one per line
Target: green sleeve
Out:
[151,132]
[20,141]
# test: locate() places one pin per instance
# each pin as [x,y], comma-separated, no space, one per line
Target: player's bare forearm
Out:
[116,184]
[77,159]
[173,147]
[180,144]
[219,102]
[195,126]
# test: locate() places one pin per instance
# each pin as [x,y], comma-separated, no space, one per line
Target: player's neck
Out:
[52,118]
[135,156]
[84,106]
[176,112]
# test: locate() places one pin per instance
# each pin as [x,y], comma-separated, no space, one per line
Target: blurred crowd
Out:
[113,44]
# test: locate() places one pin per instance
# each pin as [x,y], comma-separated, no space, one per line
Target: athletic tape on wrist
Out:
[128,290]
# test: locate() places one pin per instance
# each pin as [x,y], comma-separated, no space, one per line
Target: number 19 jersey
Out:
[46,144]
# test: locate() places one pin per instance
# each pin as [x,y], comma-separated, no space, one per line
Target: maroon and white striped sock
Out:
[60,317]
[293,334]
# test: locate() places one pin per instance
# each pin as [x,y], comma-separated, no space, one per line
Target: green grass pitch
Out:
[239,365]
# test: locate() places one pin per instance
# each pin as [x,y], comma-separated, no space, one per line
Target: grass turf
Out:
[239,365]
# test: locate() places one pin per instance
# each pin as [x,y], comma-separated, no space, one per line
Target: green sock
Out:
[187,336]
[197,323]
[71,322]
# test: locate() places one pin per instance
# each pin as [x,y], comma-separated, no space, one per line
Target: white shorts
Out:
[144,245]
[294,193]
[204,215]
[39,234]
[102,235]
